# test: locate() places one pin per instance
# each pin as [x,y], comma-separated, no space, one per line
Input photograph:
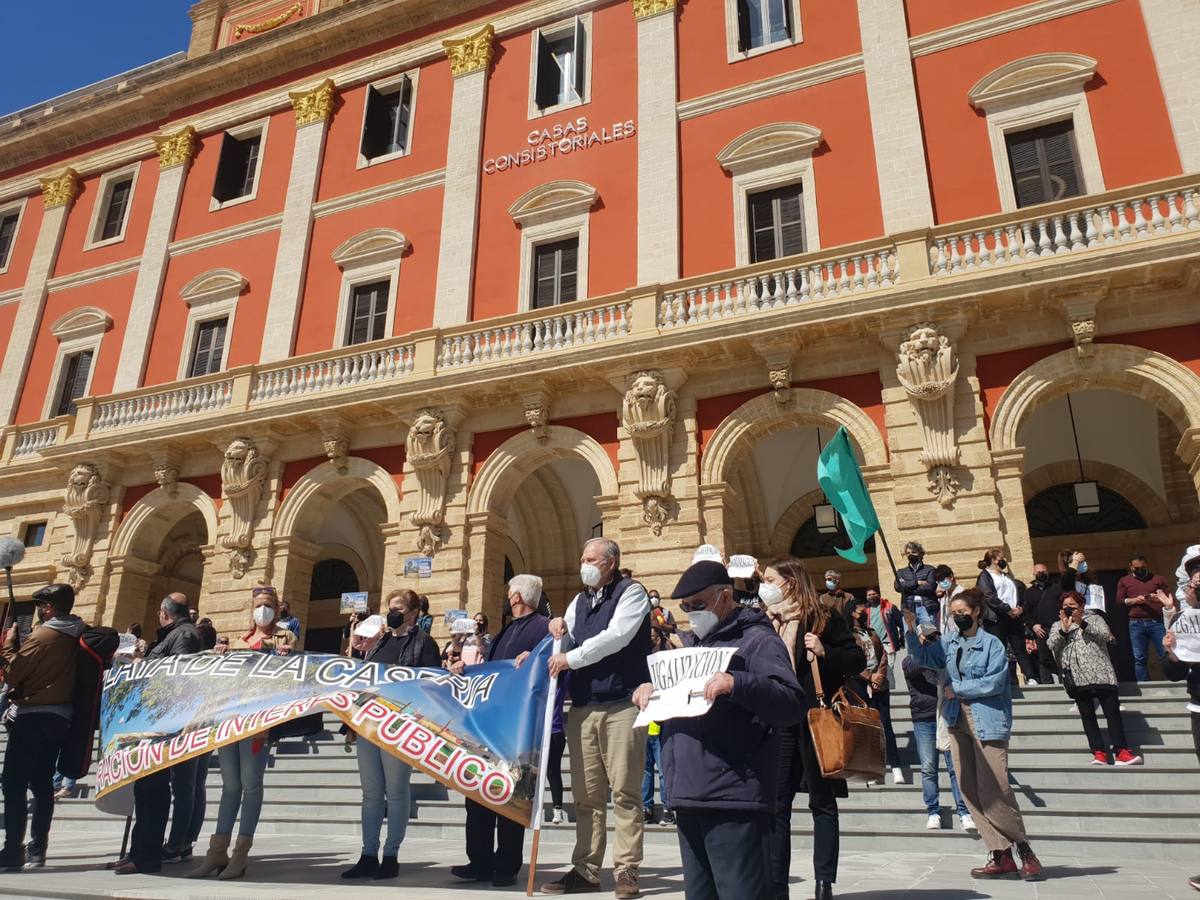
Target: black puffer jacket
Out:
[177,639]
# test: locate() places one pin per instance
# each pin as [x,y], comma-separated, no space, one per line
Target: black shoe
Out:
[388,868]
[668,818]
[364,868]
[35,857]
[504,880]
[12,860]
[824,890]
[647,814]
[469,873]
[571,883]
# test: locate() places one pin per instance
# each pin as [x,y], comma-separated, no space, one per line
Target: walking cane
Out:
[125,839]
[536,821]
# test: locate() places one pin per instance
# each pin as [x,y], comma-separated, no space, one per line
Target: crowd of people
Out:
[727,780]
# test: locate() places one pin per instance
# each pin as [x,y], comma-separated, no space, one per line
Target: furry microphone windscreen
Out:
[12,552]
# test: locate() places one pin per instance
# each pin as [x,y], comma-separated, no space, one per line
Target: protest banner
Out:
[354,601]
[679,677]
[1186,628]
[478,733]
[420,566]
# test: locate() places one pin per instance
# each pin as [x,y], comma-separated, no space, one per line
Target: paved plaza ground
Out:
[307,866]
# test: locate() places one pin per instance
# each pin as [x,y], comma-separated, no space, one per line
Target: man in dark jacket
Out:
[721,767]
[40,674]
[917,586]
[177,636]
[1042,599]
[494,842]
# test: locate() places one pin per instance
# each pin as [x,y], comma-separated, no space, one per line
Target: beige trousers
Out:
[982,768]
[606,752]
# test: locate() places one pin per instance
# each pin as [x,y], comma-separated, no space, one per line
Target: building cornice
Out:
[90,276]
[225,235]
[999,23]
[794,80]
[379,193]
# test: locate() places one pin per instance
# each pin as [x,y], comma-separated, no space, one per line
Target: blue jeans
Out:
[926,737]
[61,781]
[384,786]
[1141,633]
[653,761]
[241,785]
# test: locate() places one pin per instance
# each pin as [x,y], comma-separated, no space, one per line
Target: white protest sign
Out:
[463,625]
[1186,628]
[370,627]
[127,646]
[679,677]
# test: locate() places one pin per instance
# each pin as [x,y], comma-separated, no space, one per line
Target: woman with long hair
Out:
[810,631]
[244,763]
[1073,570]
[1003,614]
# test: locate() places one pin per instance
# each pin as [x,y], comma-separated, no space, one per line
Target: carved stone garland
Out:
[86,497]
[927,371]
[648,414]
[429,446]
[243,474]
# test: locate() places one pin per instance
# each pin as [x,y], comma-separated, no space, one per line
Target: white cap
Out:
[742,565]
[707,552]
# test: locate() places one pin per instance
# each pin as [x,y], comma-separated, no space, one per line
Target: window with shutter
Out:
[555,273]
[561,66]
[76,369]
[8,231]
[209,347]
[237,167]
[35,534]
[776,219]
[368,312]
[385,129]
[118,204]
[1044,164]
[763,22]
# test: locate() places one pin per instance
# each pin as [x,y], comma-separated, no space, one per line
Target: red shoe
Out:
[1031,866]
[999,864]
[1125,758]
[1100,758]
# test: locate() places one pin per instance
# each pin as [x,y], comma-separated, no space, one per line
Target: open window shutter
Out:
[202,351]
[787,20]
[581,51]
[360,317]
[74,383]
[790,220]
[218,345]
[379,306]
[568,283]
[375,128]
[8,226]
[743,22]
[400,120]
[1027,176]
[229,174]
[1062,162]
[82,370]
[249,164]
[548,74]
[762,227]
[544,277]
[114,216]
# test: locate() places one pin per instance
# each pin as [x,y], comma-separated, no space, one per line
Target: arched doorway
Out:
[330,579]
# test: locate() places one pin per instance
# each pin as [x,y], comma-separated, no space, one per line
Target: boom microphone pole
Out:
[12,552]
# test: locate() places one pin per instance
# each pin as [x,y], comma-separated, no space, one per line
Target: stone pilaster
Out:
[58,194]
[313,109]
[470,61]
[1177,483]
[1174,30]
[1009,467]
[657,143]
[895,121]
[292,562]
[175,153]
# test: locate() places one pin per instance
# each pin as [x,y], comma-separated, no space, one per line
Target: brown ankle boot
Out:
[216,859]
[238,858]
[1031,867]
[999,864]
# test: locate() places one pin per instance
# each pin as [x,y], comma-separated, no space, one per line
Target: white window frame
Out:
[772,156]
[212,295]
[241,132]
[548,213]
[413,78]
[80,329]
[100,207]
[6,209]
[1028,93]
[20,523]
[733,54]
[372,255]
[553,32]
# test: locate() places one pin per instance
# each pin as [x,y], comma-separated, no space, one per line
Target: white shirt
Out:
[1093,595]
[1006,589]
[627,618]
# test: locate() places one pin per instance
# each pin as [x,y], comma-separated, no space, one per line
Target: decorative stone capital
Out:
[648,413]
[176,149]
[86,497]
[537,412]
[928,370]
[166,469]
[644,9]
[1078,302]
[429,447]
[60,189]
[243,475]
[315,105]
[472,53]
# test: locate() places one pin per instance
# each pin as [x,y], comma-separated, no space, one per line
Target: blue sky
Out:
[50,47]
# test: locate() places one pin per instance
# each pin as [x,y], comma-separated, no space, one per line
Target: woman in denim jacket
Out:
[979,713]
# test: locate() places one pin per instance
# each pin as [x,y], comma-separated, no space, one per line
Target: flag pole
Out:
[535,821]
[879,531]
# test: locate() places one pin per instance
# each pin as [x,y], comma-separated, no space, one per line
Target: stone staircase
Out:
[1071,807]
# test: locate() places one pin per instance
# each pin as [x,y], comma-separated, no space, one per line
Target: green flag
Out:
[840,479]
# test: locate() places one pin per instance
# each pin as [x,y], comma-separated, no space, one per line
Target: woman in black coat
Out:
[809,630]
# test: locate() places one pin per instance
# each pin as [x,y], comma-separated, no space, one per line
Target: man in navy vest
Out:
[605,639]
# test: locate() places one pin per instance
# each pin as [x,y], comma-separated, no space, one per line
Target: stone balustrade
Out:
[34,440]
[354,368]
[162,405]
[537,332]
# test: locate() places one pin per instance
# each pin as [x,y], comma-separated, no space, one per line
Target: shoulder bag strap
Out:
[816,674]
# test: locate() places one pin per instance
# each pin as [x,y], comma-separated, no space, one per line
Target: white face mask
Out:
[263,615]
[703,622]
[590,575]
[770,594]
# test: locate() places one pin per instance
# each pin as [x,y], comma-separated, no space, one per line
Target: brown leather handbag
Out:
[847,735]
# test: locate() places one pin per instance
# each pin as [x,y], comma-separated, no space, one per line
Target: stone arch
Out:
[764,414]
[153,516]
[518,457]
[1152,376]
[793,517]
[1147,500]
[331,485]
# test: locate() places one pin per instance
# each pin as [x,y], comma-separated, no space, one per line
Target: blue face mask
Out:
[944,584]
[830,584]
[1082,570]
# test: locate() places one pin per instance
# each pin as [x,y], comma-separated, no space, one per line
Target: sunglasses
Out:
[263,590]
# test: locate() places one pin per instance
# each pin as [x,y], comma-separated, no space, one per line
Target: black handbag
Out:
[1068,681]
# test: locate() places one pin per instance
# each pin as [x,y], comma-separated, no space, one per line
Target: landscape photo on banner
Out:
[479,733]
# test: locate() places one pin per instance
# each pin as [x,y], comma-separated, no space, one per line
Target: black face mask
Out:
[874,601]
[964,621]
[914,561]
[1141,572]
[1002,564]
[1041,577]
[395,618]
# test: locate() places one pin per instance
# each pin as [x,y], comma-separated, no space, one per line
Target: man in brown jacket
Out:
[40,672]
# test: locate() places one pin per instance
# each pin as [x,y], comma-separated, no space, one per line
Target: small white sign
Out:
[1186,628]
[463,625]
[679,677]
[370,627]
[127,646]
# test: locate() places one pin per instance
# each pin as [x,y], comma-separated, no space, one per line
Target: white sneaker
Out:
[934,822]
[1031,681]
[968,824]
[559,817]
[898,776]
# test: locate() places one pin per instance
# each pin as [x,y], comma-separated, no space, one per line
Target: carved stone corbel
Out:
[537,413]
[430,447]
[166,470]
[87,495]
[1078,304]
[927,370]
[243,474]
[648,414]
